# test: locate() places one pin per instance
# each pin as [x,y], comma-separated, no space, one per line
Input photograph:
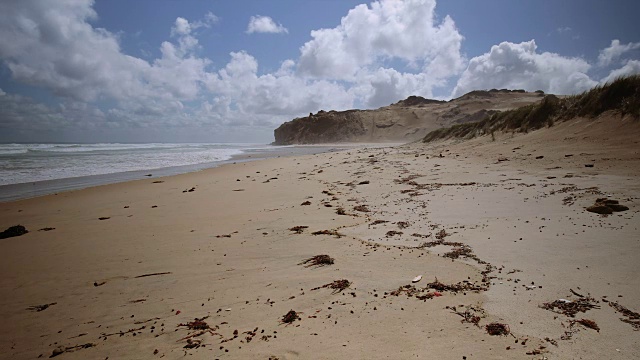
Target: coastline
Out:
[27,190]
[225,253]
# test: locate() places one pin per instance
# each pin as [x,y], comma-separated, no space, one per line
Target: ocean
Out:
[28,170]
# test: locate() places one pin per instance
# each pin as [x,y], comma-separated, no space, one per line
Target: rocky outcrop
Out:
[407,120]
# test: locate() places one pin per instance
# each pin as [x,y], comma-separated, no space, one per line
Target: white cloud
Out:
[280,94]
[380,53]
[181,27]
[614,51]
[264,24]
[55,47]
[385,30]
[632,67]
[84,65]
[519,66]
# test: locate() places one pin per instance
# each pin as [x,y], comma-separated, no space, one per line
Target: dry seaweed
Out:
[328,232]
[393,233]
[497,329]
[463,250]
[469,315]
[290,317]
[441,234]
[62,349]
[378,222]
[298,229]
[196,324]
[200,327]
[318,260]
[13,231]
[457,287]
[420,235]
[122,333]
[571,308]
[632,317]
[587,323]
[337,285]
[39,308]
[341,211]
[409,290]
[153,274]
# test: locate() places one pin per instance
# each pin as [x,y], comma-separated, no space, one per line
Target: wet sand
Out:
[497,229]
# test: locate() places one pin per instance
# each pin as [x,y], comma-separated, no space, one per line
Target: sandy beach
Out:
[208,264]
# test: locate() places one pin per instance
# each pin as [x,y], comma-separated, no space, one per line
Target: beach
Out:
[208,263]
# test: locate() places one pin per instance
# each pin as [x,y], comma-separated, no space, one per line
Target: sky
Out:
[233,71]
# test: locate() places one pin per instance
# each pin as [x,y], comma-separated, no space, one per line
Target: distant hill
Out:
[407,120]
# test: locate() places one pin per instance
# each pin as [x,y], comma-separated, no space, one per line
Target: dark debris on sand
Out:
[13,231]
[328,232]
[290,317]
[39,308]
[571,308]
[199,327]
[457,287]
[197,324]
[632,317]
[337,285]
[587,323]
[62,349]
[318,260]
[298,229]
[605,206]
[497,329]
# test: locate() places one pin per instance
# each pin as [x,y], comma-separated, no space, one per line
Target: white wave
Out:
[55,161]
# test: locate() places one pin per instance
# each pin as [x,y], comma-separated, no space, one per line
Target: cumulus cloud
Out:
[520,66]
[282,93]
[632,67]
[264,24]
[402,30]
[378,54]
[614,51]
[56,47]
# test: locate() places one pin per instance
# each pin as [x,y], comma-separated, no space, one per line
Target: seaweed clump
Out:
[290,317]
[13,231]
[571,308]
[497,329]
[632,317]
[318,260]
[337,285]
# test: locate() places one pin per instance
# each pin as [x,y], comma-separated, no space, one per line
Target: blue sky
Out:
[216,71]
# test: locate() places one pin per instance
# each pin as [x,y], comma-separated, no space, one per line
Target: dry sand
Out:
[225,252]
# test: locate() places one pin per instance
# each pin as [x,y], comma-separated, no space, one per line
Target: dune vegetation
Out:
[621,95]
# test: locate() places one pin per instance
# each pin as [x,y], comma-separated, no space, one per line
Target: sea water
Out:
[28,170]
[25,163]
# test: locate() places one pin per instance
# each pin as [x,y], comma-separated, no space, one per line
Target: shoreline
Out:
[488,226]
[19,191]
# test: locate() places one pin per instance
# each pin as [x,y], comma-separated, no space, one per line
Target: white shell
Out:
[417,278]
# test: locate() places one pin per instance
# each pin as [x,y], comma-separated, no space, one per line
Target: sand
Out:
[224,252]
